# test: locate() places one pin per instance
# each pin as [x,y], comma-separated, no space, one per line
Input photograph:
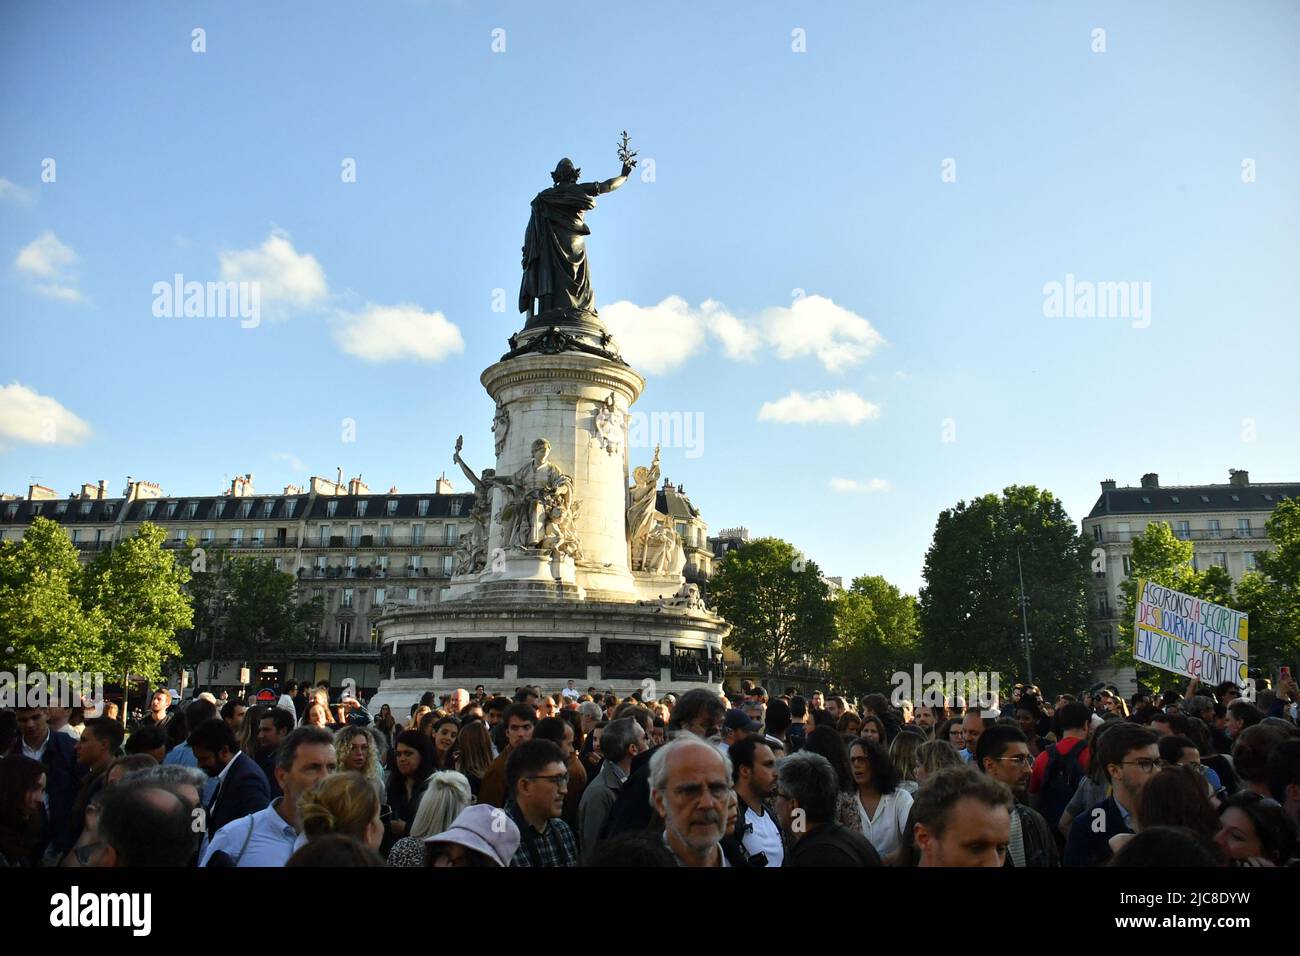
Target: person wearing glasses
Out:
[1129,754]
[537,782]
[1003,754]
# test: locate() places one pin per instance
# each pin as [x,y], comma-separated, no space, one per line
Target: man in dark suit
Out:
[1129,754]
[241,784]
[58,754]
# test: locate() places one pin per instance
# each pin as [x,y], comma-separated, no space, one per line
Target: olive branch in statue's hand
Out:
[626,156]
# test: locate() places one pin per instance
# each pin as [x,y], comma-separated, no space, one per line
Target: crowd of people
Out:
[589,778]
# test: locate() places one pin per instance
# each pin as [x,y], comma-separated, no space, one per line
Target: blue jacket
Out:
[243,791]
[63,776]
[1088,847]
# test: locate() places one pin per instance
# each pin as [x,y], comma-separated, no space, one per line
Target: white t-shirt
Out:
[763,836]
[885,830]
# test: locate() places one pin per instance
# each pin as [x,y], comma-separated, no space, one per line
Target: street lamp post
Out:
[1024,620]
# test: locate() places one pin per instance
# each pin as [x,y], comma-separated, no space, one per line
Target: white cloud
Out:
[12,192]
[294,461]
[28,416]
[815,325]
[852,486]
[655,338]
[819,408]
[53,263]
[661,337]
[384,333]
[287,278]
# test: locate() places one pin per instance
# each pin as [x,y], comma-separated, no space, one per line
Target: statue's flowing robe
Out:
[555,253]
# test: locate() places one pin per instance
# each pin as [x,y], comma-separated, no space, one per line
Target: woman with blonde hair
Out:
[931,757]
[445,795]
[414,722]
[345,803]
[903,754]
[360,749]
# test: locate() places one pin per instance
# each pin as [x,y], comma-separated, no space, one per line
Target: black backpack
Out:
[1061,779]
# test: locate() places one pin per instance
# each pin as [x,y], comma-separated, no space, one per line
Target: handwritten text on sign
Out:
[1183,634]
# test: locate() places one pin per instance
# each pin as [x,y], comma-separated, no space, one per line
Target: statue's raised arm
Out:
[556,287]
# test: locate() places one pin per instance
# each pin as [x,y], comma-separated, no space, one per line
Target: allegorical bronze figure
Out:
[557,280]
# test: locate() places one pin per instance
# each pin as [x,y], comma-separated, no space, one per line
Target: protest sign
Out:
[1184,634]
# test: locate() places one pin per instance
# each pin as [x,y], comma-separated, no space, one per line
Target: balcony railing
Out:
[1195,534]
[370,542]
[401,573]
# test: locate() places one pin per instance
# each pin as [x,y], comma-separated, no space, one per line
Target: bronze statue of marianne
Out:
[556,276]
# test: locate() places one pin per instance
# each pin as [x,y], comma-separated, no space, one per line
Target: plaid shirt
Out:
[555,847]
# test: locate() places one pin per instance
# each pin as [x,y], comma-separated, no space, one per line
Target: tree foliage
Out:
[1271,594]
[139,587]
[42,613]
[876,635]
[970,613]
[779,607]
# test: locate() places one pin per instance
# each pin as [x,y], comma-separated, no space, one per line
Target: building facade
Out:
[358,552]
[1224,523]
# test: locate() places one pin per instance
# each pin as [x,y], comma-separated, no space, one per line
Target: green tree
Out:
[1161,556]
[250,608]
[970,612]
[876,635]
[779,608]
[1271,594]
[140,588]
[42,614]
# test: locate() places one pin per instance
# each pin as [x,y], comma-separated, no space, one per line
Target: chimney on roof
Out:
[103,489]
[242,486]
[1238,477]
[40,493]
[358,487]
[1150,480]
[442,486]
[1108,484]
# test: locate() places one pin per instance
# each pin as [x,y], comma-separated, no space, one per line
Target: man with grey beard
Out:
[690,781]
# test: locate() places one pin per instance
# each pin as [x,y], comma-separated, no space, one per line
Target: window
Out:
[413,562]
[380,594]
[170,511]
[62,508]
[1248,560]
[347,598]
[455,507]
[99,537]
[1214,528]
[11,512]
[209,535]
[324,535]
[149,506]
[423,510]
[449,533]
[444,593]
[245,509]
[392,507]
[417,534]
[217,508]
[320,562]
[330,508]
[267,508]
[352,563]
[1125,531]
[259,536]
[1205,499]
[345,632]
[1183,529]
[413,594]
[85,509]
[1174,499]
[290,505]
[237,536]
[383,562]
[447,565]
[362,505]
[1097,533]
[191,510]
[354,535]
[178,536]
[385,533]
[1243,527]
[1221,559]
[681,530]
[1128,565]
[76,536]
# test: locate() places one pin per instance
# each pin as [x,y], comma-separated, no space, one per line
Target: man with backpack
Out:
[1059,768]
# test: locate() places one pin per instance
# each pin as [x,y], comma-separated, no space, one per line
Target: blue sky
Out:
[774,171]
